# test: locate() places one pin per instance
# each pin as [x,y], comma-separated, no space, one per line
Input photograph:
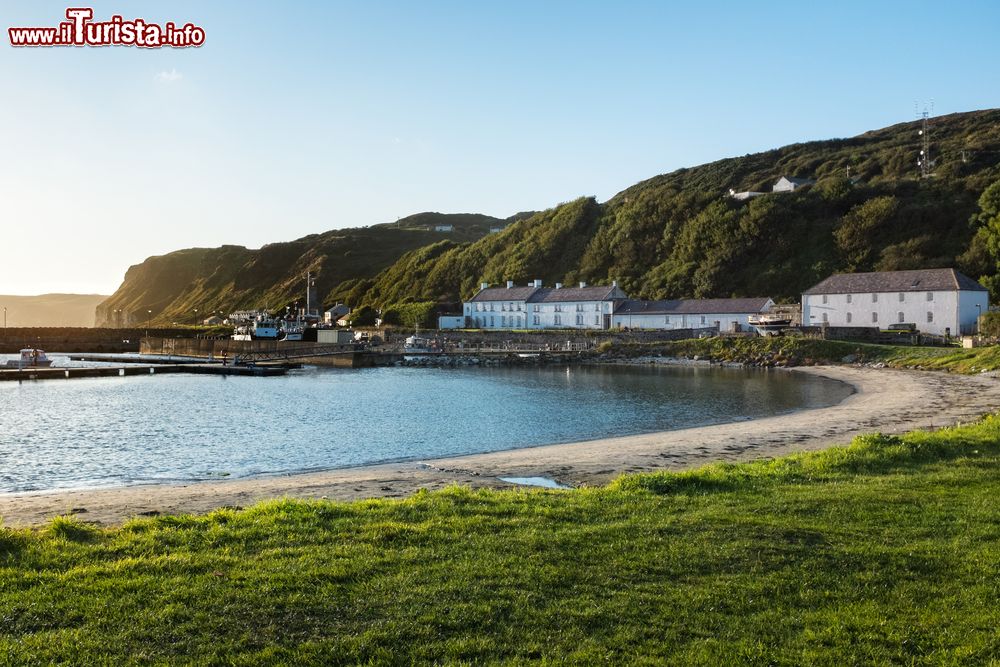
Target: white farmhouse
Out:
[537,307]
[789,184]
[721,314]
[936,301]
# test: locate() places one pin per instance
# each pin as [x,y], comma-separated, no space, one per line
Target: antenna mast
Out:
[925,162]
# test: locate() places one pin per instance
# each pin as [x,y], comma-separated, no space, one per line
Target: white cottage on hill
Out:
[722,314]
[936,301]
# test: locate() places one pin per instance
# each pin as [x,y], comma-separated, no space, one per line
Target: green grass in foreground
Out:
[886,551]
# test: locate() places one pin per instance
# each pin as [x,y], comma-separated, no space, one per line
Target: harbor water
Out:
[104,432]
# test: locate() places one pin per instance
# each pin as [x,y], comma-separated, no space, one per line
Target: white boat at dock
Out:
[30,358]
[770,324]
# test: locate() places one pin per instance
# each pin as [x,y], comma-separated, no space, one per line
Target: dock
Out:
[126,371]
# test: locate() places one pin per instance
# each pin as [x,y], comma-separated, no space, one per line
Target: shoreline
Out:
[891,401]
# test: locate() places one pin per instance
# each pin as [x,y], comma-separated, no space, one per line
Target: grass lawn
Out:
[887,551]
[795,351]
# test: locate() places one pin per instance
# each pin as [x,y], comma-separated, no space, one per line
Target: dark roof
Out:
[923,280]
[596,293]
[692,306]
[504,294]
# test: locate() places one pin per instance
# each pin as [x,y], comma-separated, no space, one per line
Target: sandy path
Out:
[885,400]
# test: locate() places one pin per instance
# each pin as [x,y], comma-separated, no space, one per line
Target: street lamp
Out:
[149,316]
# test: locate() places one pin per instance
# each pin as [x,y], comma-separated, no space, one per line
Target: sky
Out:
[296,118]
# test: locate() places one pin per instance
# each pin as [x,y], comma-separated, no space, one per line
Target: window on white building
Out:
[534,319]
[597,320]
[491,320]
[558,308]
[519,308]
[825,318]
[702,319]
[666,319]
[930,297]
[825,298]
[597,307]
[874,317]
[579,307]
[900,317]
[503,307]
[849,297]
[579,320]
[536,308]
[848,318]
[875,297]
[930,315]
[557,319]
[492,306]
[902,297]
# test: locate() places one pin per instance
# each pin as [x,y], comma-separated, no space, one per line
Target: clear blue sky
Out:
[296,118]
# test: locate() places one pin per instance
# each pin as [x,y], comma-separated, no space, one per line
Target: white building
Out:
[743,196]
[936,301]
[444,228]
[788,184]
[725,315]
[451,321]
[537,307]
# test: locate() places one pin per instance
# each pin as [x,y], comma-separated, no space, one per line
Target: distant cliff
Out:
[679,234]
[51,310]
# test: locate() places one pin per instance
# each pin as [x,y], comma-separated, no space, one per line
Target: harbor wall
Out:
[79,339]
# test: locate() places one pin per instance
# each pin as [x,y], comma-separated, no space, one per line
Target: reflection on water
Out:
[172,428]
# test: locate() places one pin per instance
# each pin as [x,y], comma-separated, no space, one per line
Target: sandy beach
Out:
[890,401]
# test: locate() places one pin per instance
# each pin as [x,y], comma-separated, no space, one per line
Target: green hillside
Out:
[223,279]
[675,235]
[681,235]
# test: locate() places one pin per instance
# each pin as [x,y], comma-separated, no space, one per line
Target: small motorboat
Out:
[30,358]
[770,325]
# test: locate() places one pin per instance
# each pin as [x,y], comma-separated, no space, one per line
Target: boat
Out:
[769,325]
[30,358]
[416,344]
[261,328]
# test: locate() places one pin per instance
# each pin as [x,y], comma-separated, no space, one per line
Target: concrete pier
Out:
[124,371]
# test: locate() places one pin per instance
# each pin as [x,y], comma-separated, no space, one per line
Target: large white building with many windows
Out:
[935,301]
[537,307]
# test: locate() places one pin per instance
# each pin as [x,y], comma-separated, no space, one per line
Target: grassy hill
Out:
[674,235]
[51,310]
[681,235]
[883,552]
[172,286]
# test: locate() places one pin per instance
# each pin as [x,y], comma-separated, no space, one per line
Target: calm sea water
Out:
[173,428]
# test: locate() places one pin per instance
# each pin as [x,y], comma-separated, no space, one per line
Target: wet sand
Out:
[890,401]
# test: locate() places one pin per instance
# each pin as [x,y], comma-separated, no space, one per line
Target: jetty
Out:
[136,369]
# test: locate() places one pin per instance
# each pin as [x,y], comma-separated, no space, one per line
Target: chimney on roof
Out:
[510,283]
[483,285]
[614,283]
[582,284]
[538,282]
[558,285]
